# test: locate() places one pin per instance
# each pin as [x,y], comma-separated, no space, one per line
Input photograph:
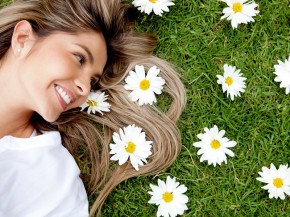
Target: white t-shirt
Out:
[39,178]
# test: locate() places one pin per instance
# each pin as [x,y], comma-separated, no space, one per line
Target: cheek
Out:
[79,102]
[60,69]
[83,99]
[54,64]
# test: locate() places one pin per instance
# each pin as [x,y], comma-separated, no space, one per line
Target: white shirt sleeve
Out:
[42,181]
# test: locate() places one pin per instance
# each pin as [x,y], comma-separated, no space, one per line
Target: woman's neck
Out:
[15,120]
[21,131]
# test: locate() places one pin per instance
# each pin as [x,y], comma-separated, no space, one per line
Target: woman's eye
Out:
[94,81]
[80,58]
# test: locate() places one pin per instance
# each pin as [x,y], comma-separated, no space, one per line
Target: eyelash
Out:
[81,59]
[94,81]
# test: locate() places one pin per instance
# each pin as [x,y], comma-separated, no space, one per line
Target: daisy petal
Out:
[231,81]
[144,87]
[130,144]
[96,102]
[213,146]
[169,197]
[239,12]
[276,180]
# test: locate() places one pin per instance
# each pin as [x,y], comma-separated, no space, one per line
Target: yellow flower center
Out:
[278,182]
[131,147]
[153,1]
[167,197]
[229,81]
[92,103]
[237,7]
[215,144]
[144,84]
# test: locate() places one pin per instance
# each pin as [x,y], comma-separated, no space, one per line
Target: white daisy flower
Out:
[282,70]
[157,6]
[169,197]
[232,81]
[130,143]
[213,146]
[278,181]
[240,12]
[96,102]
[144,87]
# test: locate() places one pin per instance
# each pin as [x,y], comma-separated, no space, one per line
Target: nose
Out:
[83,86]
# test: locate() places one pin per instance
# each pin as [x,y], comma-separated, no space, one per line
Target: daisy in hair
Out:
[130,144]
[144,86]
[96,102]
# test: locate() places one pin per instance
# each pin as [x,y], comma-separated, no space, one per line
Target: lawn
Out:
[193,37]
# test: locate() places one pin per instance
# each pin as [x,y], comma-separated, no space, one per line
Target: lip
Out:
[68,92]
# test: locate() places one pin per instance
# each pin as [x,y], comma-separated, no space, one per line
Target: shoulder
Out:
[42,179]
[40,154]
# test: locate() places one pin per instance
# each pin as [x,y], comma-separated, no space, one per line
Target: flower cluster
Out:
[213,145]
[143,84]
[238,11]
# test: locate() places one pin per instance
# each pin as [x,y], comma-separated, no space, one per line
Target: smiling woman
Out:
[65,81]
[52,54]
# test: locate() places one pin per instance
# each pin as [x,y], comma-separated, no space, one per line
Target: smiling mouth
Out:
[63,95]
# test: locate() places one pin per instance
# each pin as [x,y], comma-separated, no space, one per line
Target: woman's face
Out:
[57,73]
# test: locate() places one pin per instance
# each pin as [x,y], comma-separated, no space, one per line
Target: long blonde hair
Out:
[87,137]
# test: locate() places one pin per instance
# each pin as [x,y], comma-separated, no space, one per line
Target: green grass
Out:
[193,37]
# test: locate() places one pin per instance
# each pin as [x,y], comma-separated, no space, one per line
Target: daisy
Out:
[282,70]
[130,143]
[239,12]
[232,81]
[96,102]
[213,146]
[169,197]
[278,181]
[144,86]
[158,6]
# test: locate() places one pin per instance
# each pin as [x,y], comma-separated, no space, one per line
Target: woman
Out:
[52,53]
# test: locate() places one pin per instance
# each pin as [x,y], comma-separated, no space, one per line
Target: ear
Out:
[23,38]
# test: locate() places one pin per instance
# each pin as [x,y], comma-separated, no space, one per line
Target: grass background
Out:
[193,37]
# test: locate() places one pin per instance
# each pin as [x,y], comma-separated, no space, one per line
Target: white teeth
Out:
[63,94]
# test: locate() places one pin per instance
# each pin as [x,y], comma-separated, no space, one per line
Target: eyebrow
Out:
[91,58]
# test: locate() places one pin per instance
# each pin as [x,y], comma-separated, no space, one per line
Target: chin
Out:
[50,120]
[50,117]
